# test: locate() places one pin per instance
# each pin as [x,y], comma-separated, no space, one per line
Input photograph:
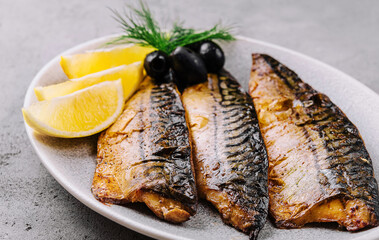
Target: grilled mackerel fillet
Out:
[229,154]
[145,156]
[319,168]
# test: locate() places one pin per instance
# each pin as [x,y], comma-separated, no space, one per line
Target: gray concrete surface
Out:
[344,34]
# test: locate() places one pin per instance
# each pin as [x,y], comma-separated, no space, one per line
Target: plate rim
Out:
[127,222]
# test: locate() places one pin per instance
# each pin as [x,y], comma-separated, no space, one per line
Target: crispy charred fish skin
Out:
[319,168]
[229,153]
[145,156]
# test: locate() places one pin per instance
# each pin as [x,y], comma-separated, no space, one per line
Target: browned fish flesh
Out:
[145,156]
[319,168]
[229,154]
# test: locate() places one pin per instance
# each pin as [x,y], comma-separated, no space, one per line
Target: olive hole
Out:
[159,65]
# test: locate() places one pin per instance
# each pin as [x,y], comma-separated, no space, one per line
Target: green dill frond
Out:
[184,37]
[144,30]
[141,28]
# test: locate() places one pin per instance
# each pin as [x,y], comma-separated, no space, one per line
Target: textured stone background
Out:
[344,34]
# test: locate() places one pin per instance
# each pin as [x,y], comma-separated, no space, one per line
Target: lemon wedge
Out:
[79,65]
[82,113]
[131,75]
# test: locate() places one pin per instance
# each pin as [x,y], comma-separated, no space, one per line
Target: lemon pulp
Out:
[131,75]
[82,113]
[79,65]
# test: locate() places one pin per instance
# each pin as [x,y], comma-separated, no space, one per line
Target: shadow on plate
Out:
[64,144]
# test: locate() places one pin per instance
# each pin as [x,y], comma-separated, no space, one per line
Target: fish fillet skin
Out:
[229,154]
[319,168]
[146,156]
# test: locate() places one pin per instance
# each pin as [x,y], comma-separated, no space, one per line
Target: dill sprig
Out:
[143,29]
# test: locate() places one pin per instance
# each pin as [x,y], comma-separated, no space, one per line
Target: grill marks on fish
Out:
[319,169]
[145,156]
[229,154]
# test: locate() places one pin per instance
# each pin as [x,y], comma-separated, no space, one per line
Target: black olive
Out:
[156,64]
[189,67]
[212,55]
[194,46]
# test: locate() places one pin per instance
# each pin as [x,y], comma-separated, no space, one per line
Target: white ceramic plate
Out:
[72,161]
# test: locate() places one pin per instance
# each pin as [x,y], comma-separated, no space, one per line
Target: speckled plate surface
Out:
[72,161]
